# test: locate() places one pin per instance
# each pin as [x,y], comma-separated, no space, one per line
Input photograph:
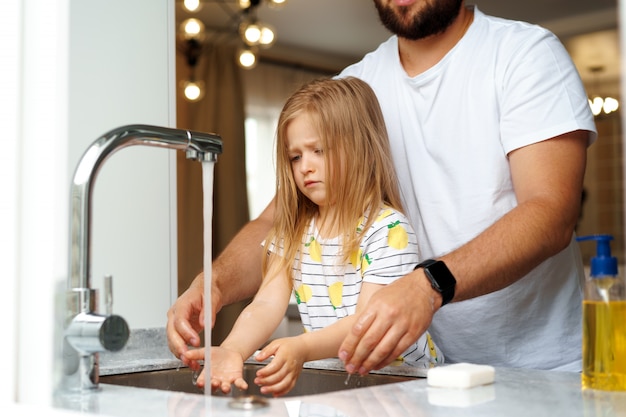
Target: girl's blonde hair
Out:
[347,117]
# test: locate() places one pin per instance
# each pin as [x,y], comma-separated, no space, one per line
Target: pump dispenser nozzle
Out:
[603,263]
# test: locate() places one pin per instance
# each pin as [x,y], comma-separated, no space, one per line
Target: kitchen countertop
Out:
[515,392]
[146,350]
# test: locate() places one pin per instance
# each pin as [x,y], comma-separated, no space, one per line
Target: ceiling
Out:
[334,33]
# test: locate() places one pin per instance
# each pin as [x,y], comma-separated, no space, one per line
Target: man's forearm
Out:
[237,270]
[548,178]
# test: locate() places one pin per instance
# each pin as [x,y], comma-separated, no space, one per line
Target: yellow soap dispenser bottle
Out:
[604,321]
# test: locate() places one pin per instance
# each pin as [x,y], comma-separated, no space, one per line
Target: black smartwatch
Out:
[440,277]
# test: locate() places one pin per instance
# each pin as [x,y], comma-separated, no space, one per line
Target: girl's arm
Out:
[324,343]
[253,327]
[261,317]
[281,374]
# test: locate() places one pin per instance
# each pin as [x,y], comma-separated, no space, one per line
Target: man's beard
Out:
[435,18]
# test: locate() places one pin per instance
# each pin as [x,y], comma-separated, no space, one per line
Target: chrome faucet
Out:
[87,332]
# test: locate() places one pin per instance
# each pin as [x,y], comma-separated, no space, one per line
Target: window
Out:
[266,87]
[260,164]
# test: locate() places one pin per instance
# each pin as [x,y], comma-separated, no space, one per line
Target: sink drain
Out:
[250,402]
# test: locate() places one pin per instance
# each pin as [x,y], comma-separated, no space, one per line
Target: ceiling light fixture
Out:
[252,34]
[257,34]
[600,104]
[191,46]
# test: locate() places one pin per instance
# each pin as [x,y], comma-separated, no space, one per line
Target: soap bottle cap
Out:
[603,263]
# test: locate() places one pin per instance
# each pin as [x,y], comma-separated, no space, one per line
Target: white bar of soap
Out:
[460,375]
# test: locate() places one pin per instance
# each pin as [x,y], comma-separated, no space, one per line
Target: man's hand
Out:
[395,317]
[239,276]
[185,319]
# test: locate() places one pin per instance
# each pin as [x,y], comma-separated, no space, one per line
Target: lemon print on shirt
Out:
[335,292]
[397,237]
[359,224]
[355,258]
[315,250]
[431,348]
[303,294]
[365,263]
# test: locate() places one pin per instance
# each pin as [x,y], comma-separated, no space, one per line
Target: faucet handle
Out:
[92,333]
[108,295]
[114,334]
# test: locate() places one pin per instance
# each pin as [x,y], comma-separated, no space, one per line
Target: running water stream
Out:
[207,184]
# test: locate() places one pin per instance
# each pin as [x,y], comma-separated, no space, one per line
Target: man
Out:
[489,126]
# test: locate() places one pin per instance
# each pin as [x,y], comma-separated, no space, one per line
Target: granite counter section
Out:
[146,350]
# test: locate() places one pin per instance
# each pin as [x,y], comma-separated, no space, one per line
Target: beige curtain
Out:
[220,111]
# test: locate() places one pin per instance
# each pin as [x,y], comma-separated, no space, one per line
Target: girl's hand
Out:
[226,369]
[281,374]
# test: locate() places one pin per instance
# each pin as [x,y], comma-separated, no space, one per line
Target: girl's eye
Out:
[319,151]
[294,158]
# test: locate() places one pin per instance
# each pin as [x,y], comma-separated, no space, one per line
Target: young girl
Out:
[339,235]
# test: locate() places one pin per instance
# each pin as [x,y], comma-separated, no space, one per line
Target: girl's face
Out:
[308,166]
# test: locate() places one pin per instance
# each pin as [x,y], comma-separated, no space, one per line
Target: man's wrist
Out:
[441,279]
[421,282]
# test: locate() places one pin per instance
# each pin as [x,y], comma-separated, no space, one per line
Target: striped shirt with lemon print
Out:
[326,290]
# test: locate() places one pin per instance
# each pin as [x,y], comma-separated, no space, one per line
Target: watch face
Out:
[441,279]
[441,274]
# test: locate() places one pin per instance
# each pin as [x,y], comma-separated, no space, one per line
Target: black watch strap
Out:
[440,277]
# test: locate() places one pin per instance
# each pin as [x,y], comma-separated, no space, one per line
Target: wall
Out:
[37,213]
[120,73]
[597,55]
[21,51]
[603,208]
[73,69]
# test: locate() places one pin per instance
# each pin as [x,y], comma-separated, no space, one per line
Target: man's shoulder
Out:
[504,30]
[381,56]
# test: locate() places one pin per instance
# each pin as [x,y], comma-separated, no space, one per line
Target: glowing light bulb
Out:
[607,105]
[596,105]
[247,59]
[191,5]
[277,3]
[193,28]
[267,36]
[610,105]
[193,91]
[252,34]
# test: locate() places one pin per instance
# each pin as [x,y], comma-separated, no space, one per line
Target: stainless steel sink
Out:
[311,381]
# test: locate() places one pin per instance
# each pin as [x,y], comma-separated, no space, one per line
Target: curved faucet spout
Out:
[199,146]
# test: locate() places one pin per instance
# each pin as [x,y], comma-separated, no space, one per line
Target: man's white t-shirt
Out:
[505,85]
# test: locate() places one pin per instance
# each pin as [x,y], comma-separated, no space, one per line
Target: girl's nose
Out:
[305,164]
